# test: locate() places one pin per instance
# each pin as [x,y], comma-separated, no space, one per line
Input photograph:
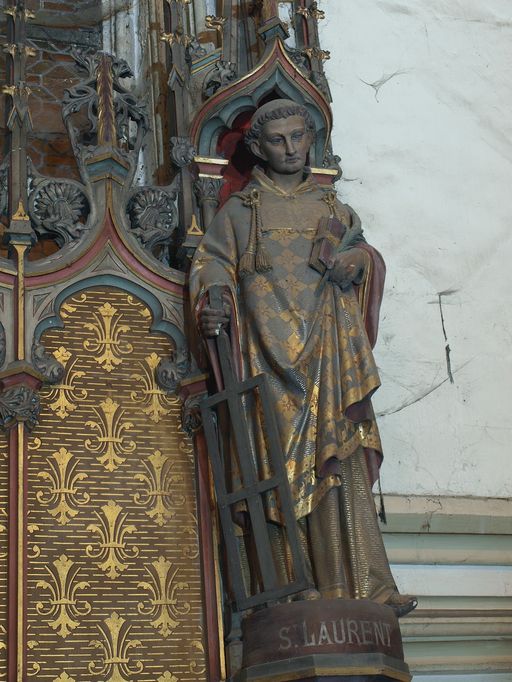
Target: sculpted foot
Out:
[402,604]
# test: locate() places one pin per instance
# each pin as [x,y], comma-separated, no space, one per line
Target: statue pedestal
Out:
[324,640]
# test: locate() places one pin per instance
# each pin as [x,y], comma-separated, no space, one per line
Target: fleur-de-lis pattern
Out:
[115,646]
[107,340]
[160,494]
[164,589]
[112,549]
[63,607]
[63,496]
[154,402]
[4,488]
[110,442]
[140,509]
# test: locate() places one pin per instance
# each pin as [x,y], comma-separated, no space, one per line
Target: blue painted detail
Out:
[158,325]
[277,30]
[206,61]
[107,166]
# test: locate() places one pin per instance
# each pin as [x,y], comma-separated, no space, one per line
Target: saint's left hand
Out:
[348,268]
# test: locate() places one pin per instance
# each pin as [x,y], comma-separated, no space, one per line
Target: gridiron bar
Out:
[252,488]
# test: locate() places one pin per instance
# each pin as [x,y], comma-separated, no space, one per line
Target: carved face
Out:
[284,144]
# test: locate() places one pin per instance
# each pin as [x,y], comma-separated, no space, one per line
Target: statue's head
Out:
[281,133]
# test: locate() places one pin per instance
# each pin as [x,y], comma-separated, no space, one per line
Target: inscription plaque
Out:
[324,639]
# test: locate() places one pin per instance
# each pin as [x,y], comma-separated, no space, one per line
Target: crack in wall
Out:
[447,348]
[424,394]
[376,85]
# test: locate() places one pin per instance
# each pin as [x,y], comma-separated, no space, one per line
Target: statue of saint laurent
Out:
[310,329]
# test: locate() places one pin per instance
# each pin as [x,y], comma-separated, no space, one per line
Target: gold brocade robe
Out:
[310,340]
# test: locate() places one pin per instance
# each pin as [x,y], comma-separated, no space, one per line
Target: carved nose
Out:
[290,147]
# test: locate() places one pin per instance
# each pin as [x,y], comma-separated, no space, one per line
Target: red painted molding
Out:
[108,233]
[207,560]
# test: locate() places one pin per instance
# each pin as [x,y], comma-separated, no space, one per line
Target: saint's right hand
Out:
[211,320]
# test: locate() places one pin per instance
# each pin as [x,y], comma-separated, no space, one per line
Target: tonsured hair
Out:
[292,109]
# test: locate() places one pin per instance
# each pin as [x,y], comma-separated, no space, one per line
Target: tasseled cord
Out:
[255,258]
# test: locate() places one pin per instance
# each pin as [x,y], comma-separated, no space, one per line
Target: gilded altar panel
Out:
[114,583]
[4,488]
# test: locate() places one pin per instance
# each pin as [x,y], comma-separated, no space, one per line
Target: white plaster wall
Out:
[427,161]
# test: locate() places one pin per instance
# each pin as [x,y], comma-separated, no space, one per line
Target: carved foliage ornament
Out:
[223,73]
[311,12]
[47,364]
[207,190]
[191,418]
[173,369]
[19,404]
[299,58]
[58,209]
[182,151]
[84,97]
[154,218]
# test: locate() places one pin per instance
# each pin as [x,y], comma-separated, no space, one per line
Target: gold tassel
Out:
[263,263]
[255,258]
[247,264]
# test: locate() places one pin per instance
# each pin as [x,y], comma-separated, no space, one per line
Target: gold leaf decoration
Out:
[114,665]
[160,493]
[154,401]
[63,608]
[163,597]
[112,550]
[35,550]
[62,355]
[35,667]
[64,677]
[63,492]
[141,309]
[190,545]
[68,308]
[107,342]
[164,513]
[65,396]
[110,443]
[167,677]
[34,444]
[193,666]
[3,532]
